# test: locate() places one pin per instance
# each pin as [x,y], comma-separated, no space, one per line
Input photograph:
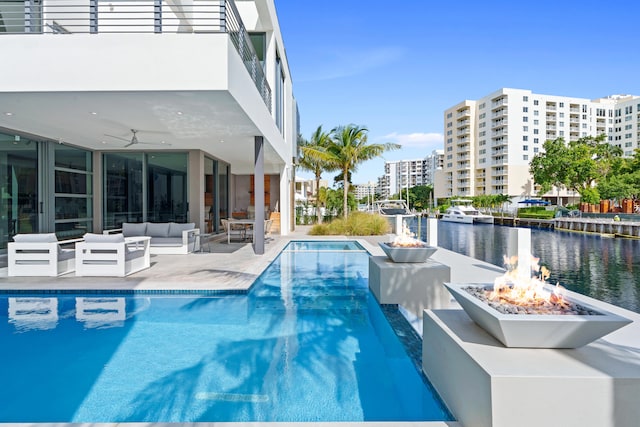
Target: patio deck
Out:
[228,267]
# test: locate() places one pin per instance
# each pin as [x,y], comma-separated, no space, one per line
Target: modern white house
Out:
[143,110]
[490,142]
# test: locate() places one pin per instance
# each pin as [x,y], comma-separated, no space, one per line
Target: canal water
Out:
[604,268]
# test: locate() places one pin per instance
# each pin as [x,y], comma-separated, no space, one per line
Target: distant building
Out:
[402,174]
[305,189]
[490,142]
[364,190]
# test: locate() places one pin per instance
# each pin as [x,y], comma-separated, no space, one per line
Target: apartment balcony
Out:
[502,132]
[497,103]
[574,110]
[551,128]
[499,113]
[551,107]
[498,123]
[463,132]
[186,70]
[464,113]
[463,123]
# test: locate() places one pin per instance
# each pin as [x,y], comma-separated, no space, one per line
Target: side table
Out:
[199,240]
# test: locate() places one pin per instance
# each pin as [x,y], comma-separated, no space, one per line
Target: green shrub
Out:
[357,224]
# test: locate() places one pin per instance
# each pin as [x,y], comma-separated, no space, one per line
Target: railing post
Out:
[27,16]
[157,16]
[223,16]
[93,16]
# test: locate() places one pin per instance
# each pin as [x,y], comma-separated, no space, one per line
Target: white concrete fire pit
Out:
[417,253]
[514,327]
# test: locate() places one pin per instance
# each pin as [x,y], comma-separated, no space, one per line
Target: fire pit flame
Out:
[406,239]
[527,289]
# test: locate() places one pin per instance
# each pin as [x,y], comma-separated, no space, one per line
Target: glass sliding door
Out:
[167,187]
[223,190]
[210,194]
[122,186]
[73,191]
[142,187]
[19,202]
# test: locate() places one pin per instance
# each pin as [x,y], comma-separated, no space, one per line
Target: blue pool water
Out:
[308,343]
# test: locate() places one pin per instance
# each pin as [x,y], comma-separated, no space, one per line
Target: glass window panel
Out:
[73,207]
[167,187]
[18,187]
[122,189]
[72,158]
[72,183]
[223,186]
[210,183]
[73,229]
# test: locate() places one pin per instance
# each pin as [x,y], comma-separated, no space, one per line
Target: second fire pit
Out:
[515,327]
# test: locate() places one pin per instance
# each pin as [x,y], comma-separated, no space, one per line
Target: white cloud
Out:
[430,140]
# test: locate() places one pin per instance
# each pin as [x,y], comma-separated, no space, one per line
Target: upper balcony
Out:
[49,17]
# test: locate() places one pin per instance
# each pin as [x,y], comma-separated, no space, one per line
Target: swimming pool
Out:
[308,343]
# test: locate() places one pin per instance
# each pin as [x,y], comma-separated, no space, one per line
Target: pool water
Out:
[308,343]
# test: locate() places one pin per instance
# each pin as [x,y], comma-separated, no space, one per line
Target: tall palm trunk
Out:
[345,196]
[318,199]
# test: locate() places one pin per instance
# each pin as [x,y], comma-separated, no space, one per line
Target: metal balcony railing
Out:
[135,16]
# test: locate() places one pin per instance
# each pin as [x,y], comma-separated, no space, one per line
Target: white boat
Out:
[464,212]
[392,208]
[397,212]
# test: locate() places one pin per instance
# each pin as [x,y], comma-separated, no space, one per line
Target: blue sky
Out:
[395,66]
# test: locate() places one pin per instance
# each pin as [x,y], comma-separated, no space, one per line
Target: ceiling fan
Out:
[134,139]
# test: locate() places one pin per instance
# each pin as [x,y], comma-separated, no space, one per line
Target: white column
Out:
[432,231]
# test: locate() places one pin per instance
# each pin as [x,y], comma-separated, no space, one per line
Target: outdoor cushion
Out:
[130,229]
[66,254]
[166,241]
[103,238]
[132,254]
[176,229]
[158,230]
[36,238]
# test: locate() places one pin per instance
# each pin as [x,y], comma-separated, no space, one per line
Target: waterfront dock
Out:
[524,222]
[602,226]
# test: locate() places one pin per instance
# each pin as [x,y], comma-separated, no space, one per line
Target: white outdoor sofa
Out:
[112,255]
[39,255]
[166,237]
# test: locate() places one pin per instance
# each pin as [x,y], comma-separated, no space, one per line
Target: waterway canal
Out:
[604,268]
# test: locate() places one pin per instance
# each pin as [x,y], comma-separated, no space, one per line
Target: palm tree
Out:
[347,149]
[312,159]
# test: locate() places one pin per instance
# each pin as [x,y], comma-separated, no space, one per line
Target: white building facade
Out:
[490,142]
[400,175]
[153,110]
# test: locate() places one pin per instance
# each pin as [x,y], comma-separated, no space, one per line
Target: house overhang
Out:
[190,91]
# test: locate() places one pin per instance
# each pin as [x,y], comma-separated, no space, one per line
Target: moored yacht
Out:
[397,211]
[464,212]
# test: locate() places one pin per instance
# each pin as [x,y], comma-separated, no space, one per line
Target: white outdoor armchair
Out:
[112,255]
[39,255]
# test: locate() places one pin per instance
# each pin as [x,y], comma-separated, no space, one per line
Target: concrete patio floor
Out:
[232,266]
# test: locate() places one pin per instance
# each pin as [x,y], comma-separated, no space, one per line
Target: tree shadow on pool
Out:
[283,375]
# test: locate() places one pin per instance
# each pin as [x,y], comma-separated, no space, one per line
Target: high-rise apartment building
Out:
[490,142]
[402,174]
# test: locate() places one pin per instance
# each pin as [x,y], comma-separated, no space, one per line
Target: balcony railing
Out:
[135,16]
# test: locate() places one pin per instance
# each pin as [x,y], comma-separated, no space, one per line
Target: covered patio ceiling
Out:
[211,121]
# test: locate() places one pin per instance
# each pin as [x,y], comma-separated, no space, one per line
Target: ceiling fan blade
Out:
[130,144]
[118,137]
